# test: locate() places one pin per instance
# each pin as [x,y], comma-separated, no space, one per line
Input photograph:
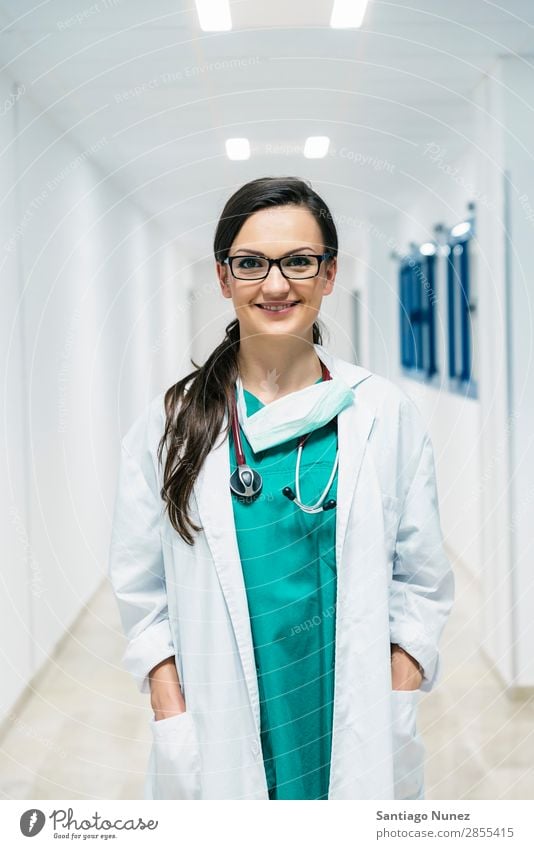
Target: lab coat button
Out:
[255,747]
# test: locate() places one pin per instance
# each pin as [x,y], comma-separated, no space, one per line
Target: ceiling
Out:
[161,96]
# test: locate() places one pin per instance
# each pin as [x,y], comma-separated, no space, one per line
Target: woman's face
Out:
[276,232]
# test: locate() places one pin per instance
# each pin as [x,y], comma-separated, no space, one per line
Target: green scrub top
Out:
[289,567]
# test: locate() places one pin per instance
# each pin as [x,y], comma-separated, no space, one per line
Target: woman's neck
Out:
[271,371]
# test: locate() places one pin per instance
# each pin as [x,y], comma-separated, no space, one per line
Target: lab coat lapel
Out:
[214,502]
[354,426]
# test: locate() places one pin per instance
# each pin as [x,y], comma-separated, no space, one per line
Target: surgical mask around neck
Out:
[294,414]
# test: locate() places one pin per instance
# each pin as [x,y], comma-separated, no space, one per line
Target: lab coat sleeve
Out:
[422,587]
[136,571]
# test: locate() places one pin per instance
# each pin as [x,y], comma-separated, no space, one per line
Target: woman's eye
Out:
[302,261]
[249,262]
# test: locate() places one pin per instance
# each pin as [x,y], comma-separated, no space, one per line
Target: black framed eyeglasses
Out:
[292,267]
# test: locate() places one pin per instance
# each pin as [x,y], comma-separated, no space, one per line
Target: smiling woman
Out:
[286,645]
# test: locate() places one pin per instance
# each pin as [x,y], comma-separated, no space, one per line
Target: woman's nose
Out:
[275,281]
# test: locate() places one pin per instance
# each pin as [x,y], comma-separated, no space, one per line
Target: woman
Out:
[283,589]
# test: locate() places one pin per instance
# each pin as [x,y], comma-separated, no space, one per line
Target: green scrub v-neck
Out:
[289,568]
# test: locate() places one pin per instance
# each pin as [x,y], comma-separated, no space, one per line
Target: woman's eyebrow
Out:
[255,252]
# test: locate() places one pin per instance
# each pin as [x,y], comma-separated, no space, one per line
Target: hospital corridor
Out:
[167,168]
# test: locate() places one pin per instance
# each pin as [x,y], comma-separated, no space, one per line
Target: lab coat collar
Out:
[350,372]
[214,502]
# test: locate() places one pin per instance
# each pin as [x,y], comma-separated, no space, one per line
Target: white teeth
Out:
[276,309]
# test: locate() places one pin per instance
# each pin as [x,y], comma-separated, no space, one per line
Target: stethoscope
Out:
[247,482]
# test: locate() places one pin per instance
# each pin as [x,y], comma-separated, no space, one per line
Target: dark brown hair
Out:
[195,413]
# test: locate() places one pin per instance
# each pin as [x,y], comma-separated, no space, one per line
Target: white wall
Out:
[497,613]
[21,569]
[94,302]
[337,308]
[517,102]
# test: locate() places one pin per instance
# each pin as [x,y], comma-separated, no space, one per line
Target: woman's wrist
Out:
[168,711]
[166,701]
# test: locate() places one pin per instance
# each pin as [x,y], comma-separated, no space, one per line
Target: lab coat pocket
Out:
[408,746]
[175,757]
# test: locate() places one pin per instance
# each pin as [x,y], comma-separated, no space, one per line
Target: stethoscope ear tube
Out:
[246,482]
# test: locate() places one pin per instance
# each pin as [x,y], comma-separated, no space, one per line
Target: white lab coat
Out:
[394,584]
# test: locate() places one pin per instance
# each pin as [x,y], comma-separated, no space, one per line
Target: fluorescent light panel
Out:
[238,148]
[316,147]
[214,15]
[348,13]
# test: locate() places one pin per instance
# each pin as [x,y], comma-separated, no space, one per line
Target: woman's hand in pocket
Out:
[406,673]
[165,694]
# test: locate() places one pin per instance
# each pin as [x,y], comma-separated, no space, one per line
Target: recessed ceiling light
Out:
[316,147]
[214,15]
[238,148]
[348,13]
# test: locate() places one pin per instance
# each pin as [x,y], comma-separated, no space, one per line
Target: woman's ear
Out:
[332,267]
[222,272]
[330,275]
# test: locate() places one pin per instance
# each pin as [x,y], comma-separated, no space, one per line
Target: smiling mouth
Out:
[277,308]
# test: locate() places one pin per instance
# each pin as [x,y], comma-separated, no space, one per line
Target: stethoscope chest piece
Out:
[245,482]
